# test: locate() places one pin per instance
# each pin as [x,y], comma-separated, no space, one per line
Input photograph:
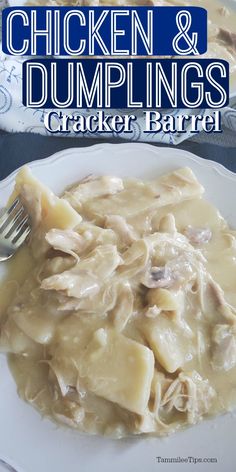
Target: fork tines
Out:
[14,223]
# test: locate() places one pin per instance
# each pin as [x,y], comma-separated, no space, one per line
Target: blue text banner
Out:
[137,83]
[109,31]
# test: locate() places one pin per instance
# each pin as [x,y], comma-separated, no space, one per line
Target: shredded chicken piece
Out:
[124,231]
[149,421]
[100,303]
[168,246]
[189,394]
[76,285]
[94,188]
[83,279]
[67,241]
[55,265]
[211,298]
[124,307]
[135,259]
[224,308]
[65,374]
[224,348]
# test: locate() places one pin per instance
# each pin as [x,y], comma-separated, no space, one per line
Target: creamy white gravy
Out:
[126,325]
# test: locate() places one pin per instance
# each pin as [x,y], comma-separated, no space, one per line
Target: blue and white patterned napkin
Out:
[14,117]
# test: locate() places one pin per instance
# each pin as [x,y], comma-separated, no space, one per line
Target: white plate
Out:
[34,445]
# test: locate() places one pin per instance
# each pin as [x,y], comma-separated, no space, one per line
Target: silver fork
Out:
[14,229]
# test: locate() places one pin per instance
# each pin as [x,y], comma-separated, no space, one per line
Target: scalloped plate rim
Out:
[60,155]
